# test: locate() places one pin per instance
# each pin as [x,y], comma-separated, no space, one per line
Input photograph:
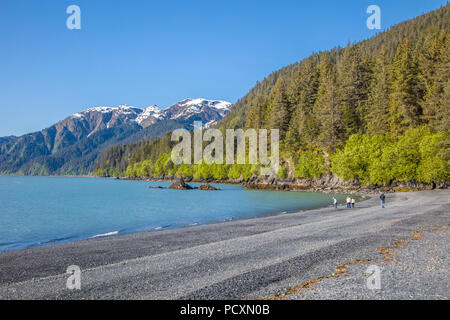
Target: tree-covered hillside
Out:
[375,111]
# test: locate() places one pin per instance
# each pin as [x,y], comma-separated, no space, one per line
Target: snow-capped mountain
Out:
[149,116]
[207,111]
[100,118]
[73,144]
[190,107]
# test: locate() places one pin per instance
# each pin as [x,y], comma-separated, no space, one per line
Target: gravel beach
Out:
[315,254]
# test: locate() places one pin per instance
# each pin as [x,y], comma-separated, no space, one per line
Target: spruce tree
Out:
[303,93]
[280,109]
[326,111]
[377,105]
[435,69]
[404,97]
[352,88]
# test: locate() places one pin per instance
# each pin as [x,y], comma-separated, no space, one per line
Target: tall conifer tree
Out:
[352,88]
[377,105]
[404,96]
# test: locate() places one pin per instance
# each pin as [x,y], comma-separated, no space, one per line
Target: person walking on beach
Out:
[349,201]
[353,203]
[335,203]
[383,200]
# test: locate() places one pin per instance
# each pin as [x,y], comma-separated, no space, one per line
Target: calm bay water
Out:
[46,210]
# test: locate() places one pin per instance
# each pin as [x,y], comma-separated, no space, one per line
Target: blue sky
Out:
[159,52]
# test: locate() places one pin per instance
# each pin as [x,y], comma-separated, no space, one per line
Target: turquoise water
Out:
[38,211]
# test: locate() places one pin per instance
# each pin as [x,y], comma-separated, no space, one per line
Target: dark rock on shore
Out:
[281,187]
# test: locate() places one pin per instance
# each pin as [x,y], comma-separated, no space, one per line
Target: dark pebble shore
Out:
[288,256]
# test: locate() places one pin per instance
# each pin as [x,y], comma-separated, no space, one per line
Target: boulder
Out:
[207,187]
[180,185]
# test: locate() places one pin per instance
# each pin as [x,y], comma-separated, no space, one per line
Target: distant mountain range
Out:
[73,145]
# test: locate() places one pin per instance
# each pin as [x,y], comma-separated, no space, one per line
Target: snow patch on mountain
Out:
[190,107]
[122,109]
[152,111]
[216,104]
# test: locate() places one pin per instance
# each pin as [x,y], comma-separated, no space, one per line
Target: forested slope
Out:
[376,111]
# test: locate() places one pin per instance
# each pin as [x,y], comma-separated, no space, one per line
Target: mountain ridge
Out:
[86,134]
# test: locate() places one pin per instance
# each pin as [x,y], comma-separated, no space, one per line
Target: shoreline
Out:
[254,258]
[124,232]
[327,185]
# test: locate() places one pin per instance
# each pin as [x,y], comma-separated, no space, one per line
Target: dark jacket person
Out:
[383,200]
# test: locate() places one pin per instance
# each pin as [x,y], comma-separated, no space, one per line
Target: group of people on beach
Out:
[351,202]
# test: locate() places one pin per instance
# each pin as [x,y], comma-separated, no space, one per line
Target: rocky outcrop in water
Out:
[207,187]
[180,185]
